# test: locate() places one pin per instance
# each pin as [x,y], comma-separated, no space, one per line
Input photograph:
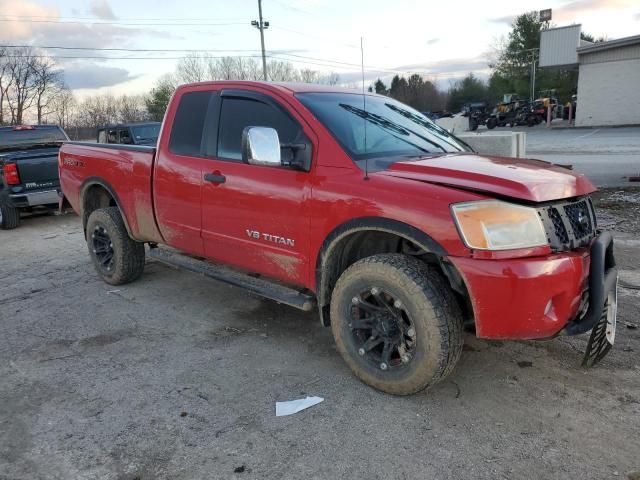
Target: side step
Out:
[264,288]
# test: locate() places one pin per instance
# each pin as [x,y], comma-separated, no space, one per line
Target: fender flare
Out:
[93,181]
[326,259]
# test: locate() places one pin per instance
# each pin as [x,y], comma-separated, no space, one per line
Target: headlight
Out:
[495,225]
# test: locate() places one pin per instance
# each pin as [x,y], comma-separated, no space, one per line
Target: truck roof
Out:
[285,87]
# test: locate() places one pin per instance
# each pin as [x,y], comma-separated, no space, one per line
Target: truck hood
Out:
[530,180]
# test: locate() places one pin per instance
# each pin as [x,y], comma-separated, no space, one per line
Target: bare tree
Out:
[63,106]
[281,71]
[5,81]
[309,76]
[191,69]
[22,92]
[47,78]
[332,79]
[131,109]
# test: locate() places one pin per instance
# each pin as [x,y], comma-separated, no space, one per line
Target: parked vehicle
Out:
[317,196]
[479,115]
[130,133]
[28,170]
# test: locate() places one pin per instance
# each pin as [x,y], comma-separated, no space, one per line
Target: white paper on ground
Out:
[295,406]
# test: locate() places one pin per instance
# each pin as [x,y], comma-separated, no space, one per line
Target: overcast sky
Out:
[443,40]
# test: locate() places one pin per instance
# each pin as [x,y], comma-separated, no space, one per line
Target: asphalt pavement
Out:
[608,156]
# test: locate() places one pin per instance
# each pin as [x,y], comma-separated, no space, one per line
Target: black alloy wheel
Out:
[382,329]
[103,249]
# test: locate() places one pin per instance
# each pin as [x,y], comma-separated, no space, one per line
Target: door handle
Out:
[215,177]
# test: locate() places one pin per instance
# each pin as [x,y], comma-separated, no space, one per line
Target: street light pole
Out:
[261,25]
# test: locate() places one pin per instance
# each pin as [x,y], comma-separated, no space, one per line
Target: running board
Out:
[259,286]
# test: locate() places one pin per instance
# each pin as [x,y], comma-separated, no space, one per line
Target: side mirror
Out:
[261,146]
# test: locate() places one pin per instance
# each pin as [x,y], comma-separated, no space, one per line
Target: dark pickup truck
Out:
[130,133]
[28,170]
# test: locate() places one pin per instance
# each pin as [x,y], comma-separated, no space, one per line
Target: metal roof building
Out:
[608,79]
[609,83]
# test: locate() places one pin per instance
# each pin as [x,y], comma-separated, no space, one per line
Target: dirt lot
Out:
[176,377]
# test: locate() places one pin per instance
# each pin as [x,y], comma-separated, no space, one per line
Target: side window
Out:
[113,136]
[125,137]
[238,113]
[188,124]
[102,136]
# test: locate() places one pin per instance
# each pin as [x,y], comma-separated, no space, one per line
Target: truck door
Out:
[254,217]
[178,176]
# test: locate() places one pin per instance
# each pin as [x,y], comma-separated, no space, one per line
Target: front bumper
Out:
[32,199]
[534,298]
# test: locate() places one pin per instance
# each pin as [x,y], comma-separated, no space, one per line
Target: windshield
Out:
[379,128]
[146,133]
[22,137]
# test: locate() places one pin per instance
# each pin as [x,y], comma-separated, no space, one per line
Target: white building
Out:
[609,83]
[608,79]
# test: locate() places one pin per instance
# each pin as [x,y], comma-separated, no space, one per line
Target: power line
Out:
[49,17]
[107,49]
[57,22]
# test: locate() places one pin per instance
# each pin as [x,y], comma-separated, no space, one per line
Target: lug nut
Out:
[361,351]
[383,366]
[397,304]
[411,332]
[375,291]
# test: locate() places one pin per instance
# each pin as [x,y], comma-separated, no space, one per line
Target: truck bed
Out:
[91,165]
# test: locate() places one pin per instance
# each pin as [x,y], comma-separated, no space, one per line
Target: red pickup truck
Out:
[395,229]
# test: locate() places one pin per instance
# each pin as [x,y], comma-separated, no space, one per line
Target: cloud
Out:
[432,41]
[102,9]
[573,11]
[67,34]
[507,19]
[79,75]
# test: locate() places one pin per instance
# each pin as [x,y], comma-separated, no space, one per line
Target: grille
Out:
[558,226]
[579,218]
[569,225]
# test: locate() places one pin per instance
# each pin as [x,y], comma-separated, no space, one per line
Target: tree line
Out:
[32,86]
[199,68]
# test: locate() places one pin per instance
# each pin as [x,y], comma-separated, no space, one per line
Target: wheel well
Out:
[95,196]
[353,246]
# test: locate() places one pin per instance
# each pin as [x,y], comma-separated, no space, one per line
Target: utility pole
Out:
[261,25]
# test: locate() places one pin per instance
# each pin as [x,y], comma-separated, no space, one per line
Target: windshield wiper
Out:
[386,124]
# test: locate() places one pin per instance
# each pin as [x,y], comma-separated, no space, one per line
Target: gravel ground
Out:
[176,377]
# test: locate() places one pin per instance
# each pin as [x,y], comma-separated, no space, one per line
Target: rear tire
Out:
[9,217]
[426,326]
[118,258]
[492,123]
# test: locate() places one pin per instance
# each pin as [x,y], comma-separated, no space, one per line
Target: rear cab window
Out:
[188,124]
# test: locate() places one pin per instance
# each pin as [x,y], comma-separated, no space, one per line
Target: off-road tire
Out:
[429,301]
[473,124]
[128,255]
[492,123]
[9,217]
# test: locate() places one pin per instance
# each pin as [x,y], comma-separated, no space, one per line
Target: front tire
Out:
[396,323]
[9,217]
[118,258]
